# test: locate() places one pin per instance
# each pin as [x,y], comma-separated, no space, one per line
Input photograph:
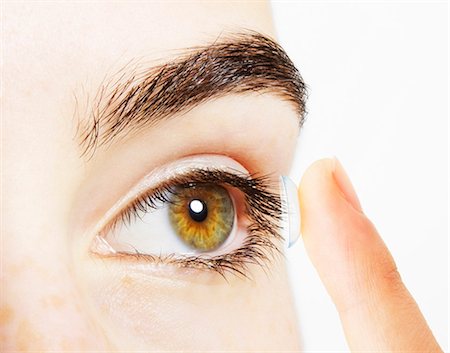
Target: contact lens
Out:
[202,215]
[291,220]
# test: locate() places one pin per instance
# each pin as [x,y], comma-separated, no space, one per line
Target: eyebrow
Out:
[135,99]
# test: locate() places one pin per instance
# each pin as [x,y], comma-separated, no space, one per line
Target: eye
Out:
[185,219]
[199,214]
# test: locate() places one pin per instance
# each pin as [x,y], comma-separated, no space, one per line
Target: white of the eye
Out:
[196,206]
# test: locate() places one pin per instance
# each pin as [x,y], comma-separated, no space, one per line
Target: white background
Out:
[378,80]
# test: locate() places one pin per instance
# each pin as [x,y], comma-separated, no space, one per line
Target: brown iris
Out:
[202,215]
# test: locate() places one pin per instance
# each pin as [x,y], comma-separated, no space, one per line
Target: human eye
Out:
[201,212]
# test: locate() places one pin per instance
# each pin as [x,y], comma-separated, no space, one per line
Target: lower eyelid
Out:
[257,249]
[143,269]
[253,253]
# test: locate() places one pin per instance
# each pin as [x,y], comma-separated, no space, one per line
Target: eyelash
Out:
[263,207]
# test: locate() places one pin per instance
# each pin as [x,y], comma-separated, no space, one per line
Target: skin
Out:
[57,296]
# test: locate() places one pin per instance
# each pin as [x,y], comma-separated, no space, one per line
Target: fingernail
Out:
[345,185]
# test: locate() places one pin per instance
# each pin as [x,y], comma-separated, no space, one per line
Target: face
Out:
[107,186]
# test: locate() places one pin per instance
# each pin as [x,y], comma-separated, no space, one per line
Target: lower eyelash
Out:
[256,250]
[263,207]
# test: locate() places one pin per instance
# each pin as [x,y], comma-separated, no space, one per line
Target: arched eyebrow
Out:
[240,63]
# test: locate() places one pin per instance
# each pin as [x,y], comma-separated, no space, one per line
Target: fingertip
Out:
[321,202]
[337,236]
[316,172]
[315,181]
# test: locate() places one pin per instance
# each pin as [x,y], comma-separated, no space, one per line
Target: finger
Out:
[376,310]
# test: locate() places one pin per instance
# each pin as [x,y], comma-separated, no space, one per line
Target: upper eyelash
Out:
[264,209]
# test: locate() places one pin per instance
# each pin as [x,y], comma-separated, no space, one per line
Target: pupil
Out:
[198,210]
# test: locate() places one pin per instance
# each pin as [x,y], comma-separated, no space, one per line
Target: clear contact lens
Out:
[291,215]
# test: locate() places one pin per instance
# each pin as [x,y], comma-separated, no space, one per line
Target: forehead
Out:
[68,41]
[55,51]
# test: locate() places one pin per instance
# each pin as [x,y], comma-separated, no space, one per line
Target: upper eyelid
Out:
[157,176]
[164,186]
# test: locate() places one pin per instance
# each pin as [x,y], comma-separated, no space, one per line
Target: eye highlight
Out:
[202,215]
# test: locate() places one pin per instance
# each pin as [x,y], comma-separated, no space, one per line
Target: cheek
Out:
[194,313]
[41,307]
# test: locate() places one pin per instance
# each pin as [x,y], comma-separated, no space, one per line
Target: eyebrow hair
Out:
[240,63]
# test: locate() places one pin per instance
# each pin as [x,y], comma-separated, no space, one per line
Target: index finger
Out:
[376,310]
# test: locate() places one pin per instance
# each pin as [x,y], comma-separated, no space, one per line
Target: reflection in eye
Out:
[204,218]
[202,215]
